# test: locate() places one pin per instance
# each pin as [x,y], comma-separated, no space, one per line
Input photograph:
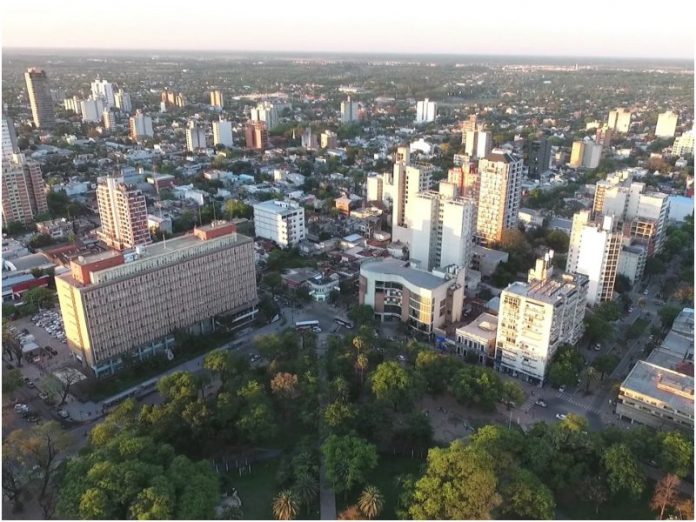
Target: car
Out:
[561,416]
[27,380]
[63,414]
[316,329]
[597,347]
[43,396]
[31,384]
[540,402]
[19,408]
[561,389]
[646,292]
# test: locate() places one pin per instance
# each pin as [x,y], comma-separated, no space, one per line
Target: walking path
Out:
[327,497]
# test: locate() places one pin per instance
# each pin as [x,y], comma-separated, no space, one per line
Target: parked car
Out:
[43,396]
[63,414]
[316,329]
[646,292]
[561,416]
[597,347]
[19,408]
[561,388]
[540,402]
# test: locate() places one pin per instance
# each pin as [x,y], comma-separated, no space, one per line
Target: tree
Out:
[362,315]
[12,381]
[395,385]
[558,241]
[622,284]
[624,473]
[590,376]
[676,453]
[348,461]
[605,364]
[350,513]
[526,497]
[284,385]
[685,507]
[667,315]
[459,483]
[285,505]
[435,370]
[11,344]
[339,416]
[40,297]
[66,382]
[235,208]
[565,366]
[225,364]
[361,364]
[371,502]
[273,280]
[306,487]
[665,495]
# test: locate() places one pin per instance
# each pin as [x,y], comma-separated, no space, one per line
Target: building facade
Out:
[114,309]
[217,100]
[123,214]
[349,111]
[222,133]
[122,101]
[23,190]
[256,135]
[666,125]
[267,113]
[619,120]
[538,157]
[140,126]
[426,111]
[195,137]
[40,98]
[280,221]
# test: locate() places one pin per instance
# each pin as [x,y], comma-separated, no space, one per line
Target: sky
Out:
[607,28]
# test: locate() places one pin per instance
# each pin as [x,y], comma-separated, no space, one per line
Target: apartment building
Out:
[123,214]
[470,124]
[222,133]
[23,189]
[349,111]
[684,144]
[375,186]
[426,111]
[9,139]
[267,113]
[594,250]
[500,192]
[115,309]
[666,125]
[576,154]
[40,98]
[170,99]
[477,338]
[329,140]
[466,178]
[619,120]
[123,101]
[217,100]
[103,90]
[537,317]
[398,292]
[195,137]
[478,143]
[91,110]
[140,126]
[256,135]
[538,154]
[280,221]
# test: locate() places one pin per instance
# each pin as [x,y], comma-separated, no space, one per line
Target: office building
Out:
[591,155]
[123,214]
[122,100]
[426,111]
[195,137]
[217,100]
[329,140]
[423,300]
[684,144]
[23,189]
[500,192]
[478,143]
[222,133]
[280,221]
[40,98]
[116,310]
[9,139]
[594,250]
[442,226]
[349,111]
[267,113]
[619,120]
[577,154]
[537,317]
[309,139]
[103,90]
[256,135]
[92,110]
[140,126]
[666,125]
[538,157]
[108,119]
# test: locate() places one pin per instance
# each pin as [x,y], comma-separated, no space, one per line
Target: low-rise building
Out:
[478,338]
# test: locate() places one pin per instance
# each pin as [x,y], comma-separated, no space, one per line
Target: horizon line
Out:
[359,53]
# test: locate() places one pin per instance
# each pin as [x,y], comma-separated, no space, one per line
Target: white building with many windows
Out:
[426,111]
[280,221]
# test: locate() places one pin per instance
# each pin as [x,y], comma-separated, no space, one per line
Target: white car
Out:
[646,292]
[561,416]
[540,402]
[316,329]
[63,414]
[561,389]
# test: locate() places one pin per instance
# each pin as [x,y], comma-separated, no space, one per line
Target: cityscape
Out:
[322,283]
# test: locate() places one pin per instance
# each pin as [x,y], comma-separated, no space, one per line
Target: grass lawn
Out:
[619,508]
[384,478]
[256,490]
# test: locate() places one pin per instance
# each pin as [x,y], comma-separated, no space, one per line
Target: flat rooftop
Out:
[484,327]
[666,386]
[278,207]
[397,267]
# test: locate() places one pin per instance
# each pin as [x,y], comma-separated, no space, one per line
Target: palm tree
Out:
[371,502]
[359,344]
[306,488]
[361,363]
[284,505]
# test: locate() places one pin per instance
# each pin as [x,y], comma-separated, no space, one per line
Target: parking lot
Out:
[44,338]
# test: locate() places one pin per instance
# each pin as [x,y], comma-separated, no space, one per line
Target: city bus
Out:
[344,322]
[306,325]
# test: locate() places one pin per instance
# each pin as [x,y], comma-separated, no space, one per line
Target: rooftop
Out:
[548,290]
[400,268]
[278,207]
[484,327]
[666,386]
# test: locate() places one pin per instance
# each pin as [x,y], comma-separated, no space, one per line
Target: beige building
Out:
[23,190]
[537,317]
[217,100]
[112,308]
[577,154]
[666,124]
[500,192]
[478,338]
[619,120]
[123,214]
[329,140]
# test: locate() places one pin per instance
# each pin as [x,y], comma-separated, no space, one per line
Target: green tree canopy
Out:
[348,460]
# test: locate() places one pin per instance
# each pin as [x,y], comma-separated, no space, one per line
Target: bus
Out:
[344,322]
[306,325]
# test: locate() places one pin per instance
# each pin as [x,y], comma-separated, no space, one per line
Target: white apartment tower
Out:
[684,144]
[500,192]
[666,124]
[536,318]
[594,251]
[103,90]
[267,113]
[92,110]
[478,143]
[426,111]
[140,126]
[108,119]
[349,111]
[195,137]
[9,139]
[222,133]
[375,188]
[619,120]
[280,221]
[123,101]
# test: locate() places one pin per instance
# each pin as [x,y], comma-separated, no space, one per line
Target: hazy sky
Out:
[619,28]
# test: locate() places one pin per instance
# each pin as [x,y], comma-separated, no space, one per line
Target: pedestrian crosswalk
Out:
[580,404]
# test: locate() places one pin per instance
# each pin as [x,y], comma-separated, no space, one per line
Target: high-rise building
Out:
[603,136]
[195,137]
[140,126]
[375,188]
[92,110]
[619,120]
[469,125]
[256,135]
[267,113]
[9,139]
[329,140]
[101,89]
[478,143]
[349,111]
[108,119]
[73,104]
[591,154]
[217,100]
[577,154]
[684,144]
[426,111]
[222,133]
[309,139]
[537,317]
[465,177]
[666,124]
[123,214]
[40,98]
[122,101]
[23,194]
[280,221]
[538,157]
[594,250]
[116,310]
[500,192]
[172,99]
[442,227]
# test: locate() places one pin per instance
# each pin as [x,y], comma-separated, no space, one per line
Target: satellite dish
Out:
[170,354]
